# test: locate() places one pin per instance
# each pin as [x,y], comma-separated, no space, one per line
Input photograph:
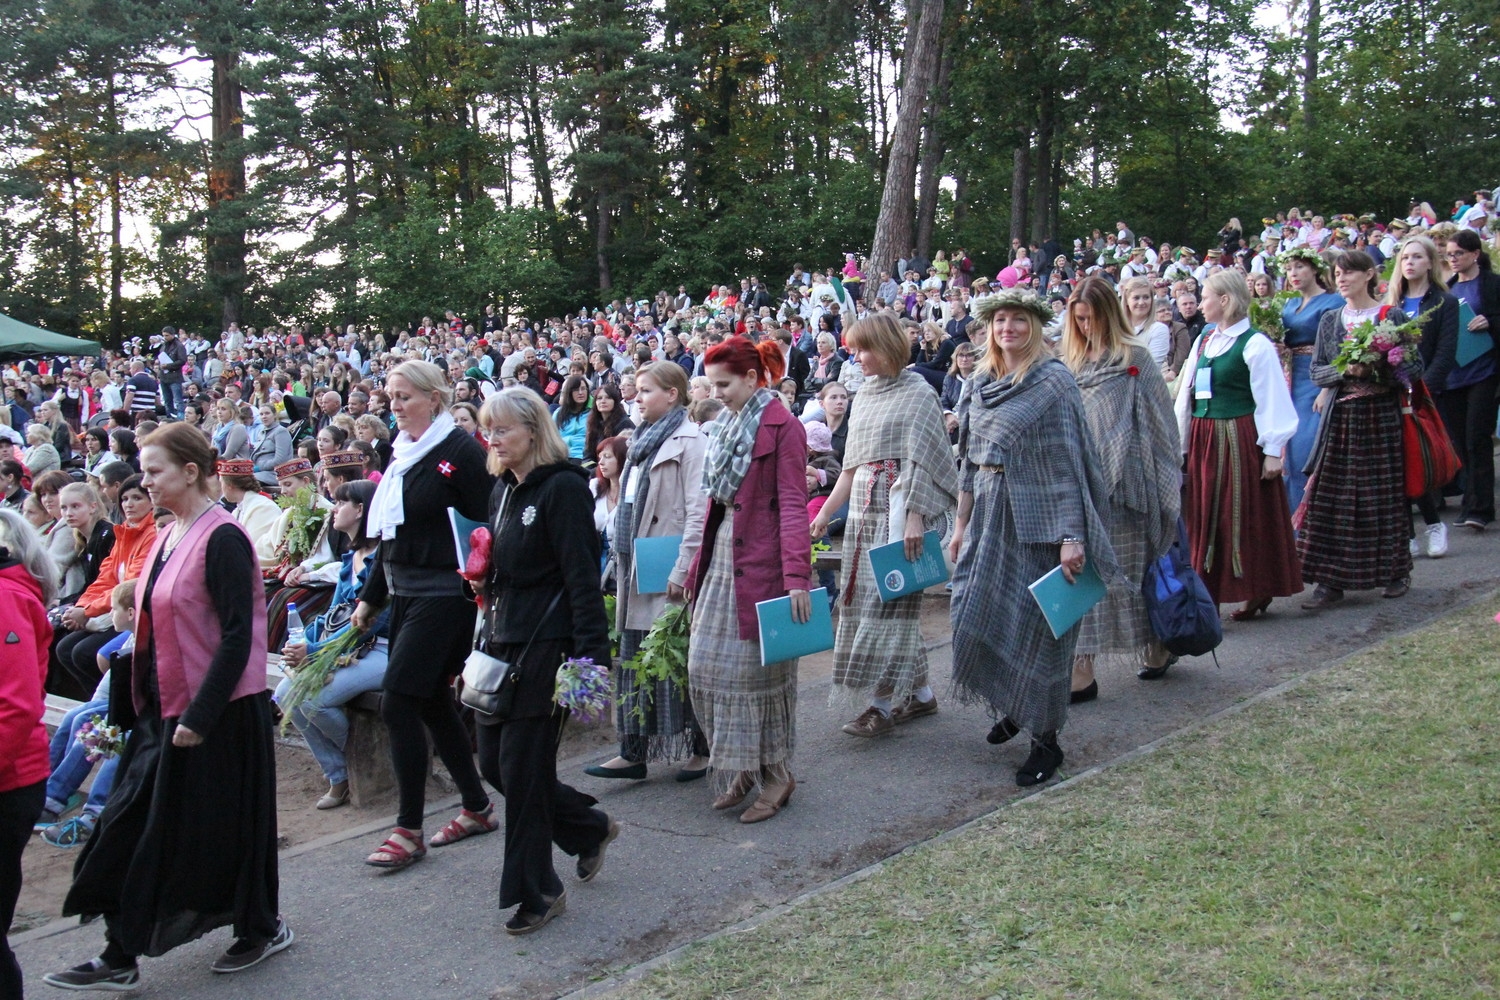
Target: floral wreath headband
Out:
[1012,298]
[1307,255]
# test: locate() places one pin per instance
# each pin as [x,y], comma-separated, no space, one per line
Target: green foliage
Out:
[663,656]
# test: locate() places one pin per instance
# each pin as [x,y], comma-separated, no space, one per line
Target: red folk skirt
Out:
[1238,524]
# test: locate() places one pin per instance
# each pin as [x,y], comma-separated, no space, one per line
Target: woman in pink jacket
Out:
[28,582]
[755,548]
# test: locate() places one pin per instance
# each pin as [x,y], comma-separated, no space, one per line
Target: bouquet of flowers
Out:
[1381,347]
[304,528]
[583,688]
[101,740]
[1265,314]
[309,679]
[663,656]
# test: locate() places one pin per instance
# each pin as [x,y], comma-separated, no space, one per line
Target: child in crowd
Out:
[704,411]
[70,763]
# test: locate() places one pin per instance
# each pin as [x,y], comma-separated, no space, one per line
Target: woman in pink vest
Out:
[187,842]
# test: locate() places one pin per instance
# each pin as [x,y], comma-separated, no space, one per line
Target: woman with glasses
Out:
[1467,402]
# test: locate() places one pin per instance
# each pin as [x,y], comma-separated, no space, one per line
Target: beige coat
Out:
[675,505]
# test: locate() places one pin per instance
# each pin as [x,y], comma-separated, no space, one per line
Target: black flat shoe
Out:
[1156,673]
[524,922]
[1046,757]
[635,772]
[1002,731]
[1084,694]
[685,775]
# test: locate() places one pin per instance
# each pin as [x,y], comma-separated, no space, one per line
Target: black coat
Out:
[1489,300]
[798,368]
[1439,344]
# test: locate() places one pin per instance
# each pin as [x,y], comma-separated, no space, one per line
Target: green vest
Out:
[1230,383]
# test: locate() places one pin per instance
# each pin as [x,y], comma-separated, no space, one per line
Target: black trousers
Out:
[519,758]
[19,809]
[74,670]
[1469,414]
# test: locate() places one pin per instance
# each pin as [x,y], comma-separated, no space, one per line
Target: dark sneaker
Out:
[871,722]
[913,708]
[46,819]
[242,955]
[589,864]
[71,833]
[95,975]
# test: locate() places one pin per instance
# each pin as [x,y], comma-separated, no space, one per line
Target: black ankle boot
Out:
[1046,757]
[1002,731]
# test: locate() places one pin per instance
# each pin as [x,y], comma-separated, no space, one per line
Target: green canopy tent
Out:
[17,340]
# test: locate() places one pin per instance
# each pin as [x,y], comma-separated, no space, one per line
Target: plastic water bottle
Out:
[296,635]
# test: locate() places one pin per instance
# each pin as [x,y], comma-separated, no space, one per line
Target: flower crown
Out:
[1305,254]
[1012,298]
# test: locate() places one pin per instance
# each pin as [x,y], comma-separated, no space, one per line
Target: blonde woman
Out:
[1139,301]
[896,459]
[1018,521]
[1130,416]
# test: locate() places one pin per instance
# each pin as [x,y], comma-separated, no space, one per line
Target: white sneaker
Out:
[1416,549]
[1437,540]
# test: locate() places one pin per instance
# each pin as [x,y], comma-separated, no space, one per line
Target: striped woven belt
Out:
[999,469]
[1301,350]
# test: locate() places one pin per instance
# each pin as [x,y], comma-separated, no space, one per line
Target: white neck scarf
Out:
[387,509]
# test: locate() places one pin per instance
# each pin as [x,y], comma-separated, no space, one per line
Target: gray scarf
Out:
[644,444]
[730,442]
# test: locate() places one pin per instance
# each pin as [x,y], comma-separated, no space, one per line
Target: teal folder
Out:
[896,576]
[654,559]
[1064,604]
[462,528]
[783,639]
[1472,344]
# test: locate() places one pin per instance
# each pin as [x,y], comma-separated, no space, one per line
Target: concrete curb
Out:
[621,979]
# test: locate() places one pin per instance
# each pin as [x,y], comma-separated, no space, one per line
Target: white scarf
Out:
[387,509]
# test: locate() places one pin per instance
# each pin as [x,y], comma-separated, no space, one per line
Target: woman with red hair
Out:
[755,548]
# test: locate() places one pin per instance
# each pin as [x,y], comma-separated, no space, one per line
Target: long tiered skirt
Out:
[1239,526]
[1356,527]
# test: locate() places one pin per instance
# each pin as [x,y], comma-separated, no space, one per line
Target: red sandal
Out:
[466,824]
[401,849]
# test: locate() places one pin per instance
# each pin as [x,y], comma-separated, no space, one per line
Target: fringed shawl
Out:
[899,418]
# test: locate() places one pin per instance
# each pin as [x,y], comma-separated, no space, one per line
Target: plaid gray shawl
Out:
[731,438]
[1135,434]
[1038,431]
[899,418]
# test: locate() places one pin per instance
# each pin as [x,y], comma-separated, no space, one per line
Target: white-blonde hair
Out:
[25,546]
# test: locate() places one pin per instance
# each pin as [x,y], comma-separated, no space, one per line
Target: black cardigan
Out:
[1489,300]
[1439,343]
[450,475]
[545,543]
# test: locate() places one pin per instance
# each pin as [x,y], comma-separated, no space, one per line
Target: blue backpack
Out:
[1183,613]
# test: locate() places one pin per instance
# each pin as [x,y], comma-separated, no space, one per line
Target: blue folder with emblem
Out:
[1064,604]
[1472,344]
[654,559]
[783,639]
[896,576]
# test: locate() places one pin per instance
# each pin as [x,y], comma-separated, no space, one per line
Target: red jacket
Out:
[772,548]
[24,637]
[124,562]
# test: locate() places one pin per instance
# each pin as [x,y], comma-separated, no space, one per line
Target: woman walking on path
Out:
[1468,403]
[543,605]
[1355,523]
[28,583]
[1307,275]
[1235,416]
[436,465]
[663,496]
[1417,289]
[1135,434]
[897,463]
[755,548]
[200,755]
[1029,500]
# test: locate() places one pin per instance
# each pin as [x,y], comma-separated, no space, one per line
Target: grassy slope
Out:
[1338,841]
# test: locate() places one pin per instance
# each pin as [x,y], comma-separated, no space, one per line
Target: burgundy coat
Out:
[772,548]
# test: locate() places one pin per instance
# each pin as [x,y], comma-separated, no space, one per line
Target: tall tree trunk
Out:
[893,227]
[226,183]
[960,200]
[1041,189]
[116,251]
[1020,185]
[1311,41]
[1054,210]
[932,149]
[601,243]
